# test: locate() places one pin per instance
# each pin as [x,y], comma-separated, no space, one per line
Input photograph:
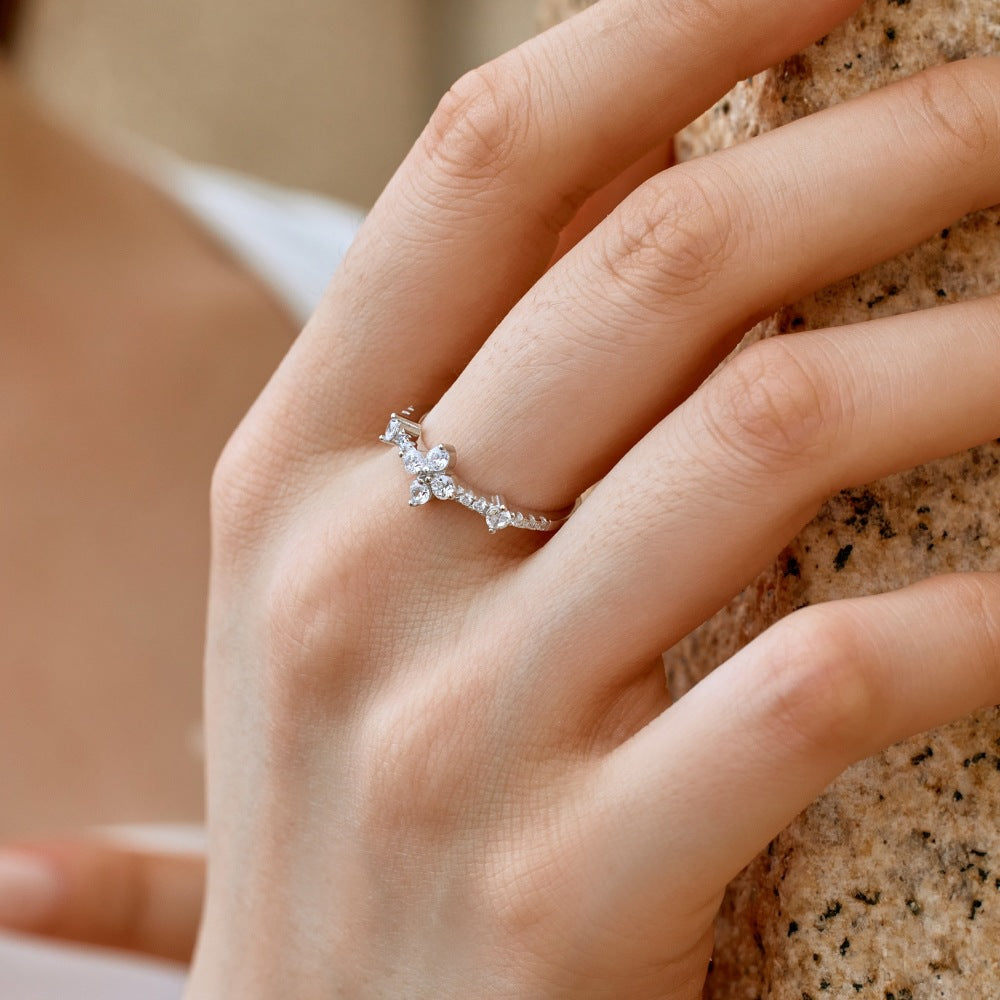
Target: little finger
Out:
[720,773]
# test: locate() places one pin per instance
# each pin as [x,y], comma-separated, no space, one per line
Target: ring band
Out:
[434,477]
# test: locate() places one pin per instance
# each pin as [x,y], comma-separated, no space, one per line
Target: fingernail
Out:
[29,890]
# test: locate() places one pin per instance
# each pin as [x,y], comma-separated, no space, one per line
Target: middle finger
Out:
[474,214]
[634,318]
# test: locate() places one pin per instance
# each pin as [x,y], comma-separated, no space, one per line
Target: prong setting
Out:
[434,479]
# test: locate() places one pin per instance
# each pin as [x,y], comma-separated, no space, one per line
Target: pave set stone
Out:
[431,469]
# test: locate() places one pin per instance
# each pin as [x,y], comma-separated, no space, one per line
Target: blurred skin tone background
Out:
[131,344]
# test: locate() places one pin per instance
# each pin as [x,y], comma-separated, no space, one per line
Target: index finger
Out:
[473,216]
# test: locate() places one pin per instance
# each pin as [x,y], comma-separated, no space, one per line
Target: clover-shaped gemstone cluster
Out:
[432,480]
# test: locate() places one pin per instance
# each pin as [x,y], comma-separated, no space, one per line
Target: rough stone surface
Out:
[888,886]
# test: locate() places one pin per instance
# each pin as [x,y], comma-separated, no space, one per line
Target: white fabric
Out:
[293,241]
[32,971]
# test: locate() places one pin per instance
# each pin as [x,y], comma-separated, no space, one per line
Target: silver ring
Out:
[433,472]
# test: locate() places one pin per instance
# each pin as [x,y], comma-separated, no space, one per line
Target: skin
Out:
[444,764]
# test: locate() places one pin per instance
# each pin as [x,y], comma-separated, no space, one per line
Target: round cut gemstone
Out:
[438,459]
[498,518]
[443,487]
[467,499]
[413,461]
[481,506]
[420,493]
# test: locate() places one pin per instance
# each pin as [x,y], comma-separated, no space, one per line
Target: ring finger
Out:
[707,499]
[473,216]
[637,315]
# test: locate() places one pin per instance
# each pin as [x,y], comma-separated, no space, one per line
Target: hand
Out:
[444,764]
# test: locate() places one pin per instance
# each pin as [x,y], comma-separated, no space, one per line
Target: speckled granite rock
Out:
[888,887]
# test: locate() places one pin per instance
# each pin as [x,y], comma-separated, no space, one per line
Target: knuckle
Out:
[234,514]
[478,130]
[400,746]
[241,495]
[419,755]
[314,602]
[771,405]
[820,694]
[959,103]
[525,892]
[676,233]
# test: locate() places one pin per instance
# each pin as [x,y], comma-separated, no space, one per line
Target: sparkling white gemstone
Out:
[443,487]
[498,518]
[420,493]
[438,458]
[413,461]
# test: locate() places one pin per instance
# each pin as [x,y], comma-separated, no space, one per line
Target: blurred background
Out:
[135,332]
[322,94]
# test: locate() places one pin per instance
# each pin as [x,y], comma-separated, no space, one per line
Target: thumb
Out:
[94,891]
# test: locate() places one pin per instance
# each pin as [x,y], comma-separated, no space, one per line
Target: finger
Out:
[99,893]
[601,204]
[699,507]
[728,766]
[627,325]
[474,214]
